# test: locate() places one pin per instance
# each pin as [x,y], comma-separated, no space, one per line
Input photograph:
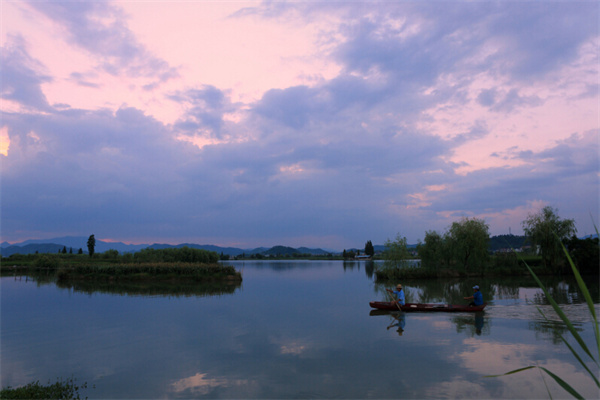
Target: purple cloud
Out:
[22,76]
[101,29]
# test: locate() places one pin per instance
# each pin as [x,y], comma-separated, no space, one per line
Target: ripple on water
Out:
[577,313]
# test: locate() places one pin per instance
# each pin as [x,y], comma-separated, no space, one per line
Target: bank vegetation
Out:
[463,251]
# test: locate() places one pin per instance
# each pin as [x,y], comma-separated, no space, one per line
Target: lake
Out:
[291,329]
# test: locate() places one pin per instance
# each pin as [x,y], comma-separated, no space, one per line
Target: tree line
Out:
[465,246]
[112,257]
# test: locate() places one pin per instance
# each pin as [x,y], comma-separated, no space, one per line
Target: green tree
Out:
[110,254]
[64,250]
[348,254]
[369,249]
[91,245]
[585,254]
[396,252]
[546,231]
[468,240]
[431,252]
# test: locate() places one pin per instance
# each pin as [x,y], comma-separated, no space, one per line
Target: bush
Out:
[66,389]
[183,254]
[505,260]
[47,261]
[110,255]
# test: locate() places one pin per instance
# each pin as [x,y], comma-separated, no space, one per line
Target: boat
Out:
[389,306]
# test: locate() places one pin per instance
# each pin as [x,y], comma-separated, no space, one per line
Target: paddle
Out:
[394,300]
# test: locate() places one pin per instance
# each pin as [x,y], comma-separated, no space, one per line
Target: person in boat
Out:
[399,294]
[477,297]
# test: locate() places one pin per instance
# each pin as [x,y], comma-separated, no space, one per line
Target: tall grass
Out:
[583,349]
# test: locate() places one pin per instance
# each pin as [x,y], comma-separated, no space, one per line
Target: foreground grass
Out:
[584,350]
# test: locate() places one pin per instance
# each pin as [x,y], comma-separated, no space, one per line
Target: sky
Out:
[301,123]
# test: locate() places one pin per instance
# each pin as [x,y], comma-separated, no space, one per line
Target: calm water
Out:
[290,330]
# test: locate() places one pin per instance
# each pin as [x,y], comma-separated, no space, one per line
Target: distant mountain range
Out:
[80,242]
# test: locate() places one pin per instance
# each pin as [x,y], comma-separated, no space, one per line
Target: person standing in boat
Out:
[399,294]
[477,297]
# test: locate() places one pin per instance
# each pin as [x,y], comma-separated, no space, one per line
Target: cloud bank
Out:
[392,117]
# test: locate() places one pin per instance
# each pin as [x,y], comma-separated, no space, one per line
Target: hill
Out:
[33,248]
[80,242]
[506,242]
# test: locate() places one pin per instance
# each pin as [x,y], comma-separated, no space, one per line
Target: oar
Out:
[394,300]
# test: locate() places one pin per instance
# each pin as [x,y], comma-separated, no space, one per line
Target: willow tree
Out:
[546,231]
[468,240]
[431,252]
[396,252]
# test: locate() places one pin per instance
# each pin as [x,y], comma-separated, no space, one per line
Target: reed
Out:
[583,349]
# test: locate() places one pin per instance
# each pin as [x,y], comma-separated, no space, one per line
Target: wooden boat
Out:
[389,306]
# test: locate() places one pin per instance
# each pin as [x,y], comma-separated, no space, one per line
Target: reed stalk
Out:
[583,347]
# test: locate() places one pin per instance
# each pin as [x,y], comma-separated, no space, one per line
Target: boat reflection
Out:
[471,324]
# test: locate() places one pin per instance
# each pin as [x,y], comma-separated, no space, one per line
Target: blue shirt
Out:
[400,295]
[477,298]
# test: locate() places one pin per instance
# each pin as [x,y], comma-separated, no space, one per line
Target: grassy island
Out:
[173,271]
[165,265]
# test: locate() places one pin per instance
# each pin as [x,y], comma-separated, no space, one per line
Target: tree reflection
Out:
[154,288]
[351,265]
[472,324]
[370,269]
[39,276]
[552,330]
[564,292]
[441,291]
[451,291]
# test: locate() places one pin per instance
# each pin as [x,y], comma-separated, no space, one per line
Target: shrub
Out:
[183,254]
[47,261]
[66,389]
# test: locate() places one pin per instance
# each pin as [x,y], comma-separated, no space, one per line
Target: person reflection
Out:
[478,323]
[399,321]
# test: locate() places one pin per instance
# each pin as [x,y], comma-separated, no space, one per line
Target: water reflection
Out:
[552,330]
[296,330]
[40,276]
[148,288]
[399,322]
[447,291]
[153,288]
[472,324]
[395,319]
[506,291]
